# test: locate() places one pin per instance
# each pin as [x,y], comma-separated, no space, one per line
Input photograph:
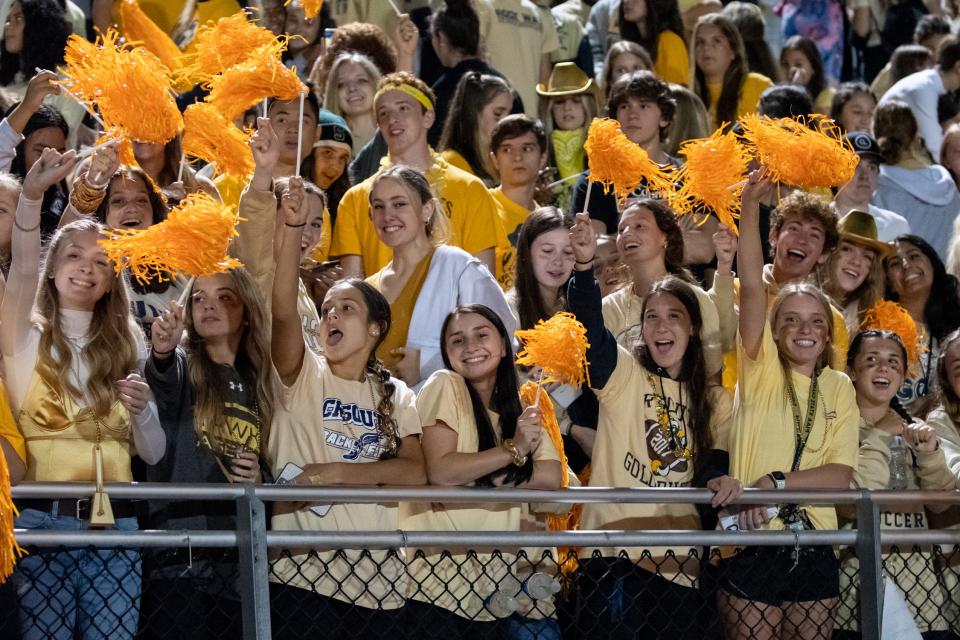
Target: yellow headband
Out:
[410,90]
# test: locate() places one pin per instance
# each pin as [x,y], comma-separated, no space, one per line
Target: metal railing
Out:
[252,539]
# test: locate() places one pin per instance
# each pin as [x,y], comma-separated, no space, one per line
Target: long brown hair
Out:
[530,305]
[253,360]
[869,291]
[729,99]
[114,338]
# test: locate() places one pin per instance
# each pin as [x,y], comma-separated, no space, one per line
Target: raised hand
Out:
[51,168]
[757,188]
[583,238]
[293,205]
[725,244]
[405,36]
[266,147]
[103,164]
[167,331]
[39,87]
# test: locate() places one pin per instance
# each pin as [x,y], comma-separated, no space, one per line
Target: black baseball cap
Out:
[864,144]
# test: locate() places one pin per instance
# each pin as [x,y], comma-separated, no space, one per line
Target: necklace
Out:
[673,433]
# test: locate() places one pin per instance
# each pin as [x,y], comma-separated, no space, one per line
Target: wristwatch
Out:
[779,480]
[518,458]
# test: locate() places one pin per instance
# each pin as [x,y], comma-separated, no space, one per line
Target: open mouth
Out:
[333,337]
[83,284]
[796,255]
[131,221]
[391,228]
[881,382]
[805,343]
[851,273]
[663,346]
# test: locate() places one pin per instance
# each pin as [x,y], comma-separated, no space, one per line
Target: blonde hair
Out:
[690,122]
[437,227]
[254,351]
[114,337]
[331,101]
[869,291]
[825,359]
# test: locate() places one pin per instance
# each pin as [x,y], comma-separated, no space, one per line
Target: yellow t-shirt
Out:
[208,11]
[750,91]
[621,316]
[456,159]
[8,426]
[460,583]
[512,216]
[823,101]
[672,64]
[627,454]
[470,209]
[763,439]
[323,418]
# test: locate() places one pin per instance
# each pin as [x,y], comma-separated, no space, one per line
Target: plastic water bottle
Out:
[500,604]
[541,586]
[898,464]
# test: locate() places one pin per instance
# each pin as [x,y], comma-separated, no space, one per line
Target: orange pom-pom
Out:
[193,240]
[209,136]
[619,164]
[809,157]
[139,29]
[310,7]
[890,316]
[559,347]
[548,419]
[129,85]
[227,42]
[260,76]
[712,177]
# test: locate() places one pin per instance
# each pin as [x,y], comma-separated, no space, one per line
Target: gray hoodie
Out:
[927,198]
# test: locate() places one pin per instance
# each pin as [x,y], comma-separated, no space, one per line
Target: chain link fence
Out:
[252,583]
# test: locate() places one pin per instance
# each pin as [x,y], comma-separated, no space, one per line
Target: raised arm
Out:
[753,298]
[86,197]
[24,273]
[583,298]
[287,345]
[722,293]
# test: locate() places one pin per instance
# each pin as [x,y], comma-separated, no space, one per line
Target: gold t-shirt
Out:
[322,418]
[460,583]
[512,216]
[763,438]
[401,310]
[642,442]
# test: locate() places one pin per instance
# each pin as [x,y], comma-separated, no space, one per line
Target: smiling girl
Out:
[216,396]
[918,281]
[810,441]
[342,420]
[877,363]
[544,264]
[425,279]
[853,276]
[719,73]
[659,426]
[476,432]
[349,94]
[73,361]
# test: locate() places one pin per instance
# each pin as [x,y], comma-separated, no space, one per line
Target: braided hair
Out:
[378,313]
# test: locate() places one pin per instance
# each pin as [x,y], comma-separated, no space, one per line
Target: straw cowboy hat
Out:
[861,228]
[566,79]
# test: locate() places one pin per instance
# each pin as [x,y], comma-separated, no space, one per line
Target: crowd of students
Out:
[443,202]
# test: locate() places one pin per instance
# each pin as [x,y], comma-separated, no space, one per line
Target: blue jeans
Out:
[86,593]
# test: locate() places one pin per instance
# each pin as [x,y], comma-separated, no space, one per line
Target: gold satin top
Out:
[60,436]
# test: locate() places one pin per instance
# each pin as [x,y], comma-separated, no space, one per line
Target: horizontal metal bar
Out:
[919,536]
[170,491]
[100,538]
[395,539]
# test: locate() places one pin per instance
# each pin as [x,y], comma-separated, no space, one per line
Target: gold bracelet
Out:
[511,447]
[85,198]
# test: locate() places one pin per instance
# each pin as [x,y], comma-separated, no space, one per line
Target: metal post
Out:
[254,566]
[871,576]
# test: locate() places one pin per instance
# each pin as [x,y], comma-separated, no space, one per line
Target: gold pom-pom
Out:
[10,551]
[193,240]
[209,136]
[712,177]
[310,7]
[227,42]
[548,419]
[809,157]
[261,75]
[559,347]
[890,316]
[129,85]
[619,164]
[139,29]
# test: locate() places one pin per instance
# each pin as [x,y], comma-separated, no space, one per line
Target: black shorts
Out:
[768,575]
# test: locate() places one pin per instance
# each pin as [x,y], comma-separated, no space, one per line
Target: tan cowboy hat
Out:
[861,227]
[566,79]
